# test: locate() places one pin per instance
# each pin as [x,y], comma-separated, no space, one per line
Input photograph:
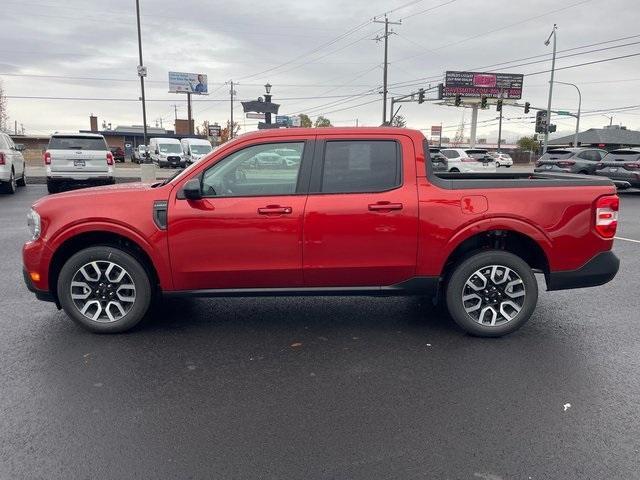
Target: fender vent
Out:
[160,214]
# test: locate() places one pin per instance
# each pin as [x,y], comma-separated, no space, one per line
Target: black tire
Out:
[22,181]
[454,170]
[463,272]
[52,187]
[583,172]
[9,186]
[136,310]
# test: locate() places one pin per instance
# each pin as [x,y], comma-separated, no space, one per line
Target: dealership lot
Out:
[321,387]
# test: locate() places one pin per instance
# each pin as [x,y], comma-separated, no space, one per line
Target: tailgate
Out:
[90,161]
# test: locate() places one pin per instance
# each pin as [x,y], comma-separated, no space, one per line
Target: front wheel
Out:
[104,289]
[492,293]
[22,181]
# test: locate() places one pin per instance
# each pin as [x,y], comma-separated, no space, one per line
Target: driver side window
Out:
[259,170]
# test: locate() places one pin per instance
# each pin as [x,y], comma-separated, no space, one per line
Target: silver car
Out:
[78,159]
[12,165]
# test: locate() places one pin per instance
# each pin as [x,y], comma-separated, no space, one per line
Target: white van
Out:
[195,149]
[166,152]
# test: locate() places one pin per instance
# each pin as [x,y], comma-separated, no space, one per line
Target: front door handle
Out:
[274,210]
[384,206]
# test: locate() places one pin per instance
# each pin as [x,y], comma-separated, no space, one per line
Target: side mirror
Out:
[157,152]
[192,190]
[20,147]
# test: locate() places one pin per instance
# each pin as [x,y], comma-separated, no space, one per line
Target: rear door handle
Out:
[384,206]
[274,210]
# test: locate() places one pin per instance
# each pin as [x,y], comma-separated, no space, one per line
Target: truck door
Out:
[247,230]
[361,218]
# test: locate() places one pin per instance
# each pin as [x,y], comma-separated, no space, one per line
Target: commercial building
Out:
[609,138]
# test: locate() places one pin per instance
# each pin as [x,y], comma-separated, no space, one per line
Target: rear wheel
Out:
[11,185]
[104,289]
[22,181]
[455,170]
[52,187]
[492,293]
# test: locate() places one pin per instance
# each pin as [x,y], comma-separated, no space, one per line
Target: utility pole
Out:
[175,110]
[387,32]
[232,92]
[553,68]
[189,113]
[142,72]
[500,123]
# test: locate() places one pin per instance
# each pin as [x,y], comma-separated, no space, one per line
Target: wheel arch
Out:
[91,238]
[520,238]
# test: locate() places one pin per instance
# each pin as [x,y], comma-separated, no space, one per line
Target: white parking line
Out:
[627,239]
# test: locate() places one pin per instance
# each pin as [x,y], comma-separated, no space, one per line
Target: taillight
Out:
[632,166]
[109,158]
[566,163]
[46,156]
[607,215]
[2,159]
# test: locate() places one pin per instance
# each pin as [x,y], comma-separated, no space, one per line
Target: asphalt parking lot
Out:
[334,388]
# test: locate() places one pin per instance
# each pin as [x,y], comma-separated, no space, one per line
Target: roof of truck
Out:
[283,132]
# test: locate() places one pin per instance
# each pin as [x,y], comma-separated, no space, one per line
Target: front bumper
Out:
[597,271]
[43,295]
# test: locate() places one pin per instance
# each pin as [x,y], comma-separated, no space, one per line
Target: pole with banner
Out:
[190,122]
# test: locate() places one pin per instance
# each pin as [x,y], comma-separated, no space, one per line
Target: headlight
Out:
[33,221]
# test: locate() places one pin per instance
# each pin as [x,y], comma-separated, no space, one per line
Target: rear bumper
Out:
[625,176]
[597,271]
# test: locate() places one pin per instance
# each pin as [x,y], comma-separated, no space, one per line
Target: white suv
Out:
[78,159]
[466,160]
[502,159]
[12,165]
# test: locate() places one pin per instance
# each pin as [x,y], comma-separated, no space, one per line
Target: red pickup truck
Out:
[337,211]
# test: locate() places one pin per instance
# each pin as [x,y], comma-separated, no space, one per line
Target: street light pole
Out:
[553,68]
[141,73]
[575,138]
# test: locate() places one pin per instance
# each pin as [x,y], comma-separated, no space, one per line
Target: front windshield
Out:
[201,149]
[170,148]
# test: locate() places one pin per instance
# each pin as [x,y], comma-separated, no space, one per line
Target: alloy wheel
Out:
[493,295]
[103,291]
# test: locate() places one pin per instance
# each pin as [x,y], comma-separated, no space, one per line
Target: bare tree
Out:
[4,117]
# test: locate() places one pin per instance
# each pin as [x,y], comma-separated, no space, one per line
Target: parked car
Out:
[13,171]
[139,154]
[195,149]
[466,160]
[622,164]
[166,152]
[269,159]
[77,159]
[438,160]
[502,159]
[359,215]
[118,154]
[570,160]
[290,156]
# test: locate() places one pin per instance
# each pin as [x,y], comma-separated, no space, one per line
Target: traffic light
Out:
[552,128]
[440,91]
[541,121]
[499,106]
[483,102]
[458,100]
[421,95]
[526,107]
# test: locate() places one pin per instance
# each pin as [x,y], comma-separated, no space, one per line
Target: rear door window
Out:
[77,143]
[360,166]
[591,155]
[622,156]
[450,153]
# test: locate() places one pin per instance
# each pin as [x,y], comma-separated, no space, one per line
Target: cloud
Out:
[291,45]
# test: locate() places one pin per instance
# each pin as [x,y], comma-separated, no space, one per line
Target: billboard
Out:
[436,130]
[483,84]
[180,82]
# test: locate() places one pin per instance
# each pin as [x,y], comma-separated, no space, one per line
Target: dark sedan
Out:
[438,160]
[623,164]
[570,160]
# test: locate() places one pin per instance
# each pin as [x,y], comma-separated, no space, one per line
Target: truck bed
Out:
[455,180]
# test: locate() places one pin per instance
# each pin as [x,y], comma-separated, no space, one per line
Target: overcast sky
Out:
[308,49]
